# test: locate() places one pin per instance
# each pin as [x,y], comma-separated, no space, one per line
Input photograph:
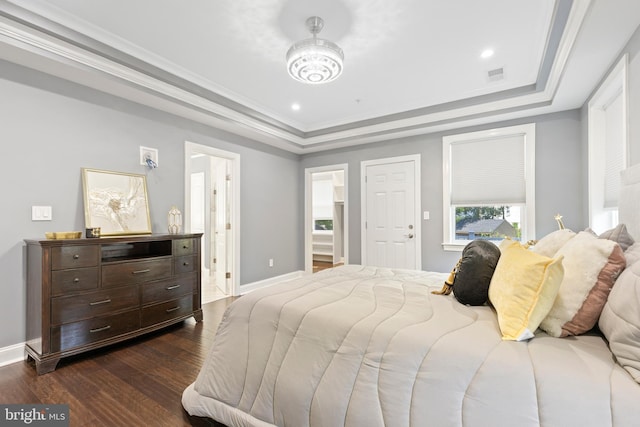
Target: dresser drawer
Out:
[74,256]
[184,246]
[168,310]
[165,290]
[77,307]
[74,280]
[185,264]
[136,271]
[76,334]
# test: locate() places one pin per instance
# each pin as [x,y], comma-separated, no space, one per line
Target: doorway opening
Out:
[212,208]
[326,217]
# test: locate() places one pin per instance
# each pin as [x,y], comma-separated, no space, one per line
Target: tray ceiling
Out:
[411,67]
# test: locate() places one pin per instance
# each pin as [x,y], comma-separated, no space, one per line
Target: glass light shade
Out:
[175,220]
[315,61]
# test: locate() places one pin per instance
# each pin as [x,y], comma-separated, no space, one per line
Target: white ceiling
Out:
[411,66]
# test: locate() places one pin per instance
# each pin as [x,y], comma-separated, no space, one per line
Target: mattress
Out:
[364,346]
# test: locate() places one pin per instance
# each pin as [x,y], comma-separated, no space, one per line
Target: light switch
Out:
[425,215]
[41,213]
[46,213]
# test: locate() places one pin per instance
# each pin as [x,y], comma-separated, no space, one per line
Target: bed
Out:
[366,346]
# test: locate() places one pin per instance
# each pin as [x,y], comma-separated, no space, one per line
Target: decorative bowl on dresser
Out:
[83,294]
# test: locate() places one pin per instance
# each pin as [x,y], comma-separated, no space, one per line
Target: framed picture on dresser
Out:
[115,202]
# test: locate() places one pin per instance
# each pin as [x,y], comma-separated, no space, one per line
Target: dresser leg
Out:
[46,366]
[197,315]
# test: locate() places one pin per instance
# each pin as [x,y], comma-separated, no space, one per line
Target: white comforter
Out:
[360,346]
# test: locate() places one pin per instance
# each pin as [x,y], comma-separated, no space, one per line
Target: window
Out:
[607,147]
[323,224]
[489,185]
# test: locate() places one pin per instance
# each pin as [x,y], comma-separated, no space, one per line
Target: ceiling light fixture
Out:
[315,60]
[488,53]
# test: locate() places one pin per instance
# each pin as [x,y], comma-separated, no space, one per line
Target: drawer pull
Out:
[146,270]
[185,263]
[76,280]
[104,301]
[185,246]
[170,288]
[104,328]
[169,310]
[76,256]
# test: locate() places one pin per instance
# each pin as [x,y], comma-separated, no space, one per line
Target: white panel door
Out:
[222,224]
[390,215]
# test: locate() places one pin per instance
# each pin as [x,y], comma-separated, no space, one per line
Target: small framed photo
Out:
[115,202]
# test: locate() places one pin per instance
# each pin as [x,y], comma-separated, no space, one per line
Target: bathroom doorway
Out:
[211,207]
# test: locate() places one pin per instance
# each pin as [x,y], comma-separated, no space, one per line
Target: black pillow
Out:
[471,277]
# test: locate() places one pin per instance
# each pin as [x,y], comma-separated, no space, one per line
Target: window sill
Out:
[454,247]
[459,246]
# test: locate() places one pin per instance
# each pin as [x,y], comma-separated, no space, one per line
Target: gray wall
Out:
[558,179]
[51,128]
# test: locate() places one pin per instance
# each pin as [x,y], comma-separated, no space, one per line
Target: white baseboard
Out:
[12,354]
[270,281]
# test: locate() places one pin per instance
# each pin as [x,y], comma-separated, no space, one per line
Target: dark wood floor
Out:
[319,265]
[138,383]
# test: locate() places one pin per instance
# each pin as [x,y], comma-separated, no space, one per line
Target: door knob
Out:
[410,235]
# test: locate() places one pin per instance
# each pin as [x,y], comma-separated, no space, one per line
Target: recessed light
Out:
[487,53]
[295,106]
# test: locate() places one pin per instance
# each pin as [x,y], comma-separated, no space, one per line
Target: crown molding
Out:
[42,48]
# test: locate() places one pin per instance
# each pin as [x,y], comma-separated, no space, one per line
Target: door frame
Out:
[415,158]
[190,149]
[308,212]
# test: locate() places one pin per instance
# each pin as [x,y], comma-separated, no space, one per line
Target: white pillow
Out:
[620,320]
[632,253]
[550,244]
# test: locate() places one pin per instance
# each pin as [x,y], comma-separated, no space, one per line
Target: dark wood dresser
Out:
[83,294]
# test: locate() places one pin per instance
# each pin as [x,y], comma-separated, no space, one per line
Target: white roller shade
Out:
[614,152]
[489,171]
[322,198]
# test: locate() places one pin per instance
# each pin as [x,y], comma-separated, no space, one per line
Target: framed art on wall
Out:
[116,202]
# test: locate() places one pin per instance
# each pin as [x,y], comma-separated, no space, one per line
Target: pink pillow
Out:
[591,267]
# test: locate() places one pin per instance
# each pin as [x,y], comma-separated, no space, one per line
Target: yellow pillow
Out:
[523,289]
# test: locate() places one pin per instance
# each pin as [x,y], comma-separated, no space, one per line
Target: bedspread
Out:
[364,346]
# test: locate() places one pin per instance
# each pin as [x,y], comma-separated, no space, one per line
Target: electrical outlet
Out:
[270,262]
[146,154]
